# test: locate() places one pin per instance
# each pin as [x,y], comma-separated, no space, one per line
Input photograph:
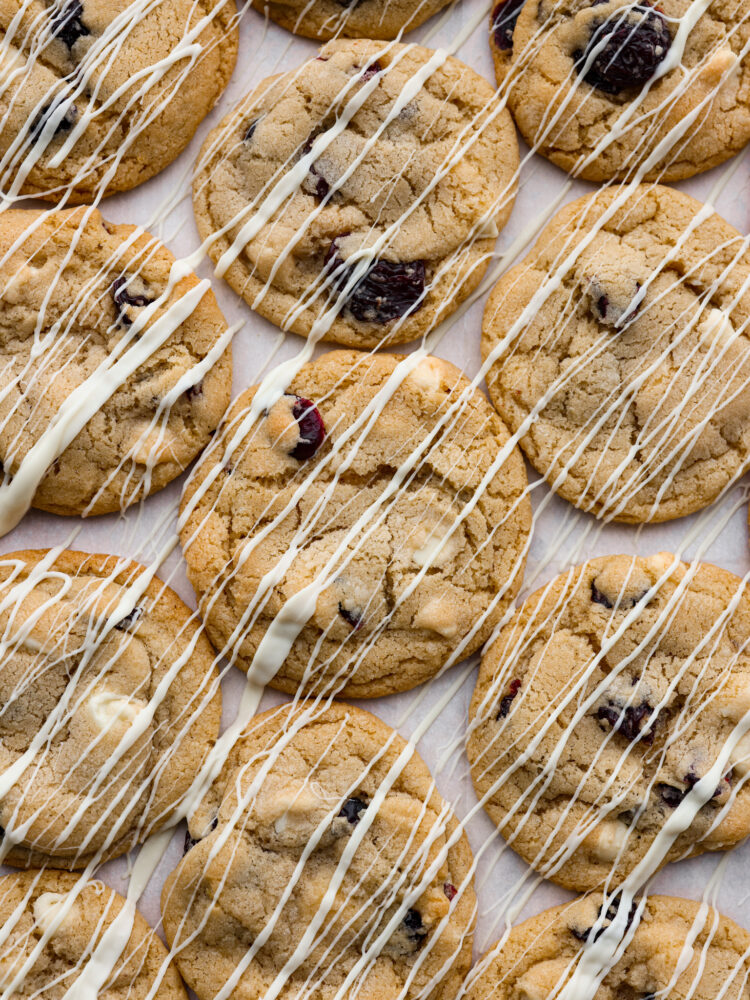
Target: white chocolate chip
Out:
[48,913]
[428,374]
[438,615]
[735,705]
[153,445]
[607,839]
[292,806]
[717,328]
[660,562]
[427,549]
[108,708]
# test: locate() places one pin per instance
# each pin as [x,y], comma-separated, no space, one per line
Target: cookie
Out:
[73,286]
[307,831]
[619,351]
[416,187]
[102,756]
[408,573]
[607,88]
[635,714]
[677,950]
[98,98]
[345,19]
[73,916]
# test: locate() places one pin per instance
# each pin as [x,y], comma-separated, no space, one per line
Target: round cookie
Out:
[422,205]
[598,87]
[326,19]
[676,951]
[301,779]
[657,705]
[73,285]
[75,915]
[429,569]
[99,777]
[98,86]
[627,367]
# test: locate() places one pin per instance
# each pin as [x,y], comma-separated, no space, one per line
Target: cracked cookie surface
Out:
[676,950]
[631,715]
[420,189]
[386,873]
[112,68]
[629,366]
[424,574]
[598,87]
[344,19]
[75,916]
[71,291]
[112,752]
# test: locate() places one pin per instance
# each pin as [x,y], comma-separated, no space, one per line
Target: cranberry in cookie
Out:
[619,350]
[358,197]
[366,528]
[323,854]
[100,96]
[603,703]
[606,88]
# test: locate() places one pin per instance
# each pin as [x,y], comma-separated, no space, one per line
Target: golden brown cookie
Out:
[103,94]
[677,950]
[620,352]
[609,87]
[314,827]
[587,732]
[105,755]
[74,916]
[349,18]
[413,189]
[73,286]
[412,556]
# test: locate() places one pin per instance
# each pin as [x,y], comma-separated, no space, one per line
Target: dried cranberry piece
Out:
[372,70]
[450,890]
[504,18]
[125,624]
[692,778]
[609,916]
[353,618]
[670,795]
[65,124]
[414,927]
[352,809]
[123,298]
[513,688]
[387,291]
[630,44]
[623,603]
[311,428]
[627,721]
[66,24]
